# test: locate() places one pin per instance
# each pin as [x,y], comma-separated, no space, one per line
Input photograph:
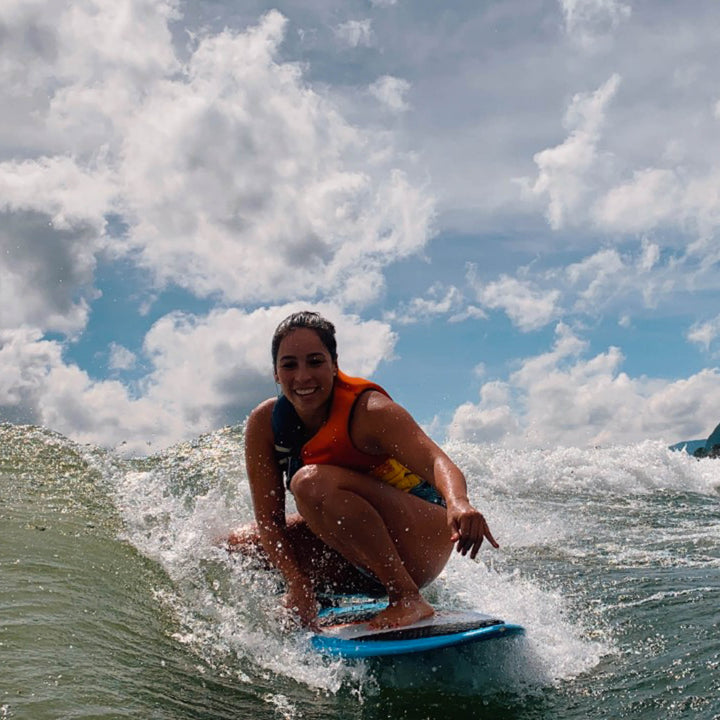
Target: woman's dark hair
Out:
[311,321]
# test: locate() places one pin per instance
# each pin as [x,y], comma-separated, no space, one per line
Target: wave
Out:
[552,510]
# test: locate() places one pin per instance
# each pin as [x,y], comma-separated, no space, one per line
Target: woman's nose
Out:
[303,371]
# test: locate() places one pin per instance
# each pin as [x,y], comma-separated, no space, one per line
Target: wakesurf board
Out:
[344,631]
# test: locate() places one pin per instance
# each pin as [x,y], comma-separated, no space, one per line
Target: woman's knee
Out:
[307,487]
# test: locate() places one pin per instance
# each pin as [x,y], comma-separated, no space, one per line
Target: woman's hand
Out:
[301,602]
[468,527]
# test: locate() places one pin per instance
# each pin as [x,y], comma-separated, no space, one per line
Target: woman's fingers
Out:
[470,531]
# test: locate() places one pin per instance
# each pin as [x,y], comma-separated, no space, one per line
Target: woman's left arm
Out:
[381,426]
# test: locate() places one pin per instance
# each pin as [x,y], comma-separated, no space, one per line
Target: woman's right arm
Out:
[268,494]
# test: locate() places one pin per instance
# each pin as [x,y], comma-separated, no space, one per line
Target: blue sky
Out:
[509,209]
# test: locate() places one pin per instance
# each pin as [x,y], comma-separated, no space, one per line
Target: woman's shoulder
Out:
[262,414]
[373,415]
[377,415]
[374,402]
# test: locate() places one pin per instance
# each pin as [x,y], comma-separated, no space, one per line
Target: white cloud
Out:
[355,33]
[77,70]
[58,186]
[36,386]
[583,184]
[568,173]
[391,91]
[51,227]
[658,196]
[610,279]
[705,333]
[561,398]
[491,420]
[470,312]
[254,185]
[479,370]
[652,197]
[587,21]
[231,174]
[383,3]
[206,372]
[120,358]
[529,307]
[439,301]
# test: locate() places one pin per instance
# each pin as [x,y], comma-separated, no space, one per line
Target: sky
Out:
[510,210]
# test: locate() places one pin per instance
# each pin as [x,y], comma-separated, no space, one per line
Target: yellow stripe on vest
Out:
[397,475]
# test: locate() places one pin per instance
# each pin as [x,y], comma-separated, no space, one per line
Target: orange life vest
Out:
[332,445]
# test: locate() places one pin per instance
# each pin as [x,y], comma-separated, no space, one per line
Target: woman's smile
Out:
[306,373]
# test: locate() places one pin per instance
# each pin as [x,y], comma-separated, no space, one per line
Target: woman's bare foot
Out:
[403,611]
[243,539]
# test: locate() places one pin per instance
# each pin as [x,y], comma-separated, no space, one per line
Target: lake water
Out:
[116,599]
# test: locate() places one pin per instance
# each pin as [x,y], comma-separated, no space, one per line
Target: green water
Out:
[116,602]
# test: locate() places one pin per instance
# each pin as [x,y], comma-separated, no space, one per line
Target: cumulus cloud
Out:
[608,277]
[584,184]
[588,21]
[231,175]
[51,227]
[206,371]
[38,387]
[490,420]
[391,91]
[527,306]
[705,333]
[569,173]
[563,398]
[224,173]
[120,358]
[73,72]
[655,197]
[439,301]
[355,33]
[633,206]
[256,187]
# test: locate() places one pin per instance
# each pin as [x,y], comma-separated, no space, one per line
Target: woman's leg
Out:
[403,540]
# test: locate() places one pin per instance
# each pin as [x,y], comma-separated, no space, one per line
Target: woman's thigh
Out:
[417,528]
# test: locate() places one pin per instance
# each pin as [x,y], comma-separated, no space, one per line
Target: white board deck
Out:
[346,631]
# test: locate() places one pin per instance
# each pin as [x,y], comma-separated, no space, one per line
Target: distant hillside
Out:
[709,445]
[690,446]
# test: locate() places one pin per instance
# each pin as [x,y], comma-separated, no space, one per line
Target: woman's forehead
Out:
[302,341]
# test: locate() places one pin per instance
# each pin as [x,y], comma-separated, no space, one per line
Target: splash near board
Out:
[345,631]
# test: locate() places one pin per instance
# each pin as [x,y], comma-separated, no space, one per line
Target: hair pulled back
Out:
[310,321]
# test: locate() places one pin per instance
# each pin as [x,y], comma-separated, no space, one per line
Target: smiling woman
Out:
[380,504]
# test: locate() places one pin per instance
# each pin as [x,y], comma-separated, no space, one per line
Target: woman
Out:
[355,462]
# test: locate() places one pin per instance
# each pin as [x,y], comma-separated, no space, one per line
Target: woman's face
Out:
[306,372]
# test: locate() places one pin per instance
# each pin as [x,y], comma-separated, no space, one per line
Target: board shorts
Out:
[425,491]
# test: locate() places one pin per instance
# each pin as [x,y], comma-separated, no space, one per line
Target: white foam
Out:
[554,501]
[622,470]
